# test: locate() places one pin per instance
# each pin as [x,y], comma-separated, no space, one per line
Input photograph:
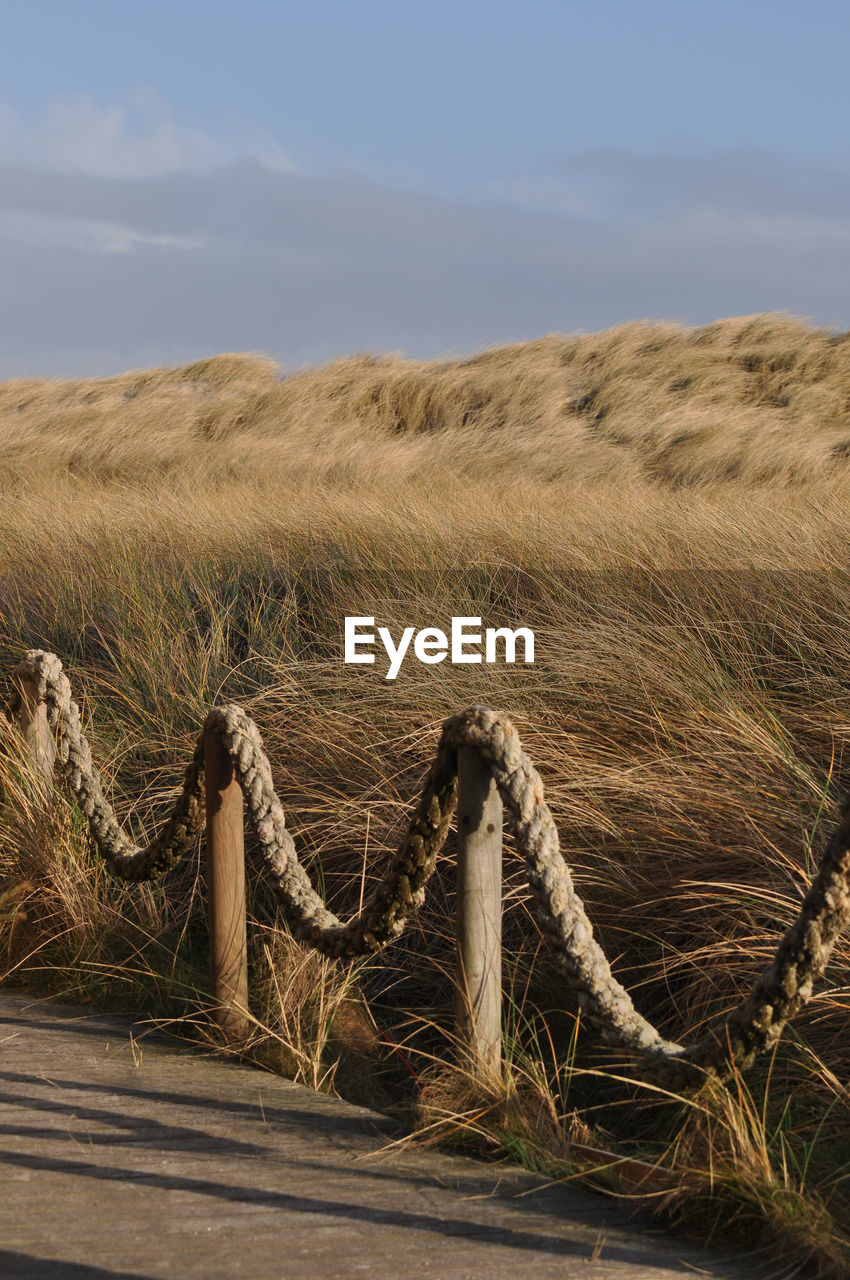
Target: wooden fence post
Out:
[226,890]
[32,717]
[479,913]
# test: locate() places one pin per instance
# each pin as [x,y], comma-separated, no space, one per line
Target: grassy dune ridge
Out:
[666,508]
[760,398]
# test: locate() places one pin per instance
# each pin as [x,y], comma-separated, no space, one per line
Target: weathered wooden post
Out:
[226,890]
[479,913]
[32,717]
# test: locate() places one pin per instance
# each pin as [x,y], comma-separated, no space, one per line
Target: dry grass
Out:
[760,398]
[667,509]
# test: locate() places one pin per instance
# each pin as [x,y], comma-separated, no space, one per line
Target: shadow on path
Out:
[454,1228]
[23,1266]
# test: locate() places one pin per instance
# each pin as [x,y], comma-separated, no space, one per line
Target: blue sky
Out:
[313,180]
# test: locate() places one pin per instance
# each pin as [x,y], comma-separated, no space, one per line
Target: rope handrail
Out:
[778,993]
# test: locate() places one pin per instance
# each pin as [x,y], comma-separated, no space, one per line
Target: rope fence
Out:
[481,770]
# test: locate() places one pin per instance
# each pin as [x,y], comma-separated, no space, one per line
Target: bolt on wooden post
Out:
[479,913]
[32,718]
[226,890]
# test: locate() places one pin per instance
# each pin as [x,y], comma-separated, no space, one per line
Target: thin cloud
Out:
[136,138]
[101,273]
[85,235]
[614,183]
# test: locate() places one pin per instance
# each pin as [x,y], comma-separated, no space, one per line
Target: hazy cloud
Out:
[102,271]
[137,138]
[609,183]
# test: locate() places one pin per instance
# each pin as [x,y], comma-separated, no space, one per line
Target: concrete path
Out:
[126,1155]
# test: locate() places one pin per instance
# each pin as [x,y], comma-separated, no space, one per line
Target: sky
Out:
[314,180]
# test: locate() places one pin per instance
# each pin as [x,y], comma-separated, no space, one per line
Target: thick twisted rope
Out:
[777,995]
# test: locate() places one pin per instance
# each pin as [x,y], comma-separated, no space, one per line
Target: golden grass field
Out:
[667,509]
